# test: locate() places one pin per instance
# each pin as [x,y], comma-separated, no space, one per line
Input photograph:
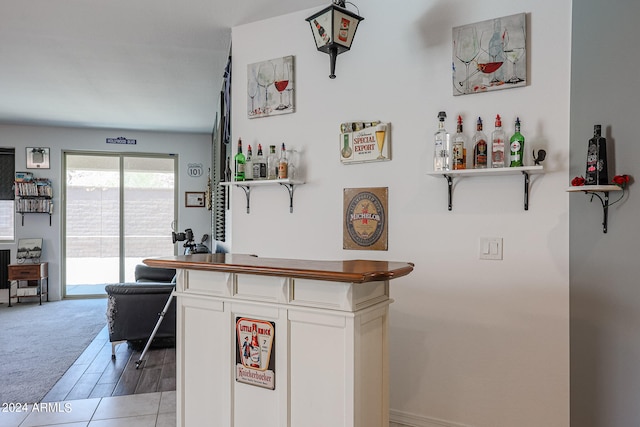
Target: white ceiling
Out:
[124,64]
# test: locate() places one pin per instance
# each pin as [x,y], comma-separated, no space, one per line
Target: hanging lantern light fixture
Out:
[333,29]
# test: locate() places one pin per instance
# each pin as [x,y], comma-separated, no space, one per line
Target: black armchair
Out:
[144,273]
[133,308]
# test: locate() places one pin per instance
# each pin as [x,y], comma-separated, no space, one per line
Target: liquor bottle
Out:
[459,147]
[259,165]
[517,146]
[283,164]
[248,165]
[497,145]
[597,173]
[442,146]
[272,163]
[321,31]
[480,148]
[239,160]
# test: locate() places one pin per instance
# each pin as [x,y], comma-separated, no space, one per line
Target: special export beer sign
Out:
[364,142]
[255,353]
[365,218]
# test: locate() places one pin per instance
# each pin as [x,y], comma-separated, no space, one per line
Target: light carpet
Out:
[38,343]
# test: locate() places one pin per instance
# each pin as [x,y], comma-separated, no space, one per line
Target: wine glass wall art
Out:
[270,87]
[490,55]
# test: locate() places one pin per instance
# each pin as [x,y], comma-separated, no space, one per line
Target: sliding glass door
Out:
[118,210]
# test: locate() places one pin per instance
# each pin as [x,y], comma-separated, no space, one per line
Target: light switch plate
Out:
[491,248]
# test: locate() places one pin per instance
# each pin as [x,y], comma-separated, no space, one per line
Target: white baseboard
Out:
[406,419]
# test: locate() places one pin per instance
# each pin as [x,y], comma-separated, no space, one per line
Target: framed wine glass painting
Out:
[270,87]
[490,55]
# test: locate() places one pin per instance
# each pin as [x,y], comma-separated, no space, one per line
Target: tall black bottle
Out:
[597,173]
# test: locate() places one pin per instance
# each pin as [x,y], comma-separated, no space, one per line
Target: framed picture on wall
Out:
[270,87]
[194,199]
[490,55]
[365,218]
[37,158]
[29,249]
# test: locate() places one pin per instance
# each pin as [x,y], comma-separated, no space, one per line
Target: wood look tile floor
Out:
[97,391]
[95,374]
[139,410]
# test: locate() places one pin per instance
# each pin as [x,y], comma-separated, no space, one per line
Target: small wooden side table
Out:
[36,272]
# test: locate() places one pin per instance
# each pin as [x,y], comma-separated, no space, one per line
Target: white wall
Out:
[473,343]
[190,148]
[605,302]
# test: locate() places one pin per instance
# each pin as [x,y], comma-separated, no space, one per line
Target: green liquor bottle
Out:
[517,146]
[239,163]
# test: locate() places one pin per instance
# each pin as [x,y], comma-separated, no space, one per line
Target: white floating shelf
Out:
[587,188]
[490,171]
[263,182]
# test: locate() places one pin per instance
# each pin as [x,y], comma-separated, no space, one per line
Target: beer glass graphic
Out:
[381,130]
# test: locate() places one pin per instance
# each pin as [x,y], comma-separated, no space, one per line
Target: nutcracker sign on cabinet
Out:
[255,352]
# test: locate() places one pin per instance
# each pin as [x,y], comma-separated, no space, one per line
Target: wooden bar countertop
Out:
[356,271]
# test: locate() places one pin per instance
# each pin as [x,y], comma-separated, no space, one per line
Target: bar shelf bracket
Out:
[526,189]
[525,171]
[449,190]
[247,193]
[290,188]
[22,214]
[246,186]
[602,193]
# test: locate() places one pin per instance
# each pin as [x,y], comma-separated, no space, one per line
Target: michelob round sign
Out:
[365,218]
